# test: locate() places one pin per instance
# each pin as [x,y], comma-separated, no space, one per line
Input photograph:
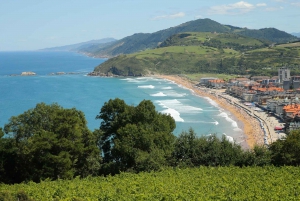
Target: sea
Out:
[88,94]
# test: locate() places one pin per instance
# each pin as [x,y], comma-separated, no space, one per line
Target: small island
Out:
[27,73]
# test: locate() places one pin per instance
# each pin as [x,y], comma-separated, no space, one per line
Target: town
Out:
[278,96]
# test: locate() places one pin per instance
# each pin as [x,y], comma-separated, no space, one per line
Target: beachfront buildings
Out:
[205,80]
[279,95]
[216,83]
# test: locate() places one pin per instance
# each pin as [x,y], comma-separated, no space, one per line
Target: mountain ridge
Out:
[142,41]
[77,46]
[296,34]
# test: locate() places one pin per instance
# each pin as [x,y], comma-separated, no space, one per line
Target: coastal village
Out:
[273,101]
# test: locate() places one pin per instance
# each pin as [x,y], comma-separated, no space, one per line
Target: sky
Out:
[37,24]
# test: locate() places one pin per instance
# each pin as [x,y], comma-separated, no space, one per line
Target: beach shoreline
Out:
[252,131]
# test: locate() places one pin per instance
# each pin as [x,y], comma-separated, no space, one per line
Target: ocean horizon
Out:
[88,94]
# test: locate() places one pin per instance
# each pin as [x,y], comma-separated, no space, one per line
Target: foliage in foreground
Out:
[204,183]
[49,142]
[134,138]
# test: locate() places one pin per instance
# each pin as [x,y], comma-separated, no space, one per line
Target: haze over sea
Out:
[88,94]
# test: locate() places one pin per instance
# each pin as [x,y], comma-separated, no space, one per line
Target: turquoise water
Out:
[88,94]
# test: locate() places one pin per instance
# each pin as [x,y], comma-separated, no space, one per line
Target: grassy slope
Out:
[204,183]
[277,56]
[188,53]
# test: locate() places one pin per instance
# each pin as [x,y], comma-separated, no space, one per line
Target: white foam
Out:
[225,115]
[229,138]
[133,80]
[174,113]
[211,102]
[146,87]
[167,88]
[158,94]
[175,94]
[127,79]
[214,122]
[142,78]
[237,129]
[174,103]
[204,122]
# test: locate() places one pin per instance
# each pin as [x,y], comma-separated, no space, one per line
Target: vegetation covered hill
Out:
[204,183]
[78,46]
[198,52]
[142,41]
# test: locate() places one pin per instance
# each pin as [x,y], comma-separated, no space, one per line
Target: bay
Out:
[88,94]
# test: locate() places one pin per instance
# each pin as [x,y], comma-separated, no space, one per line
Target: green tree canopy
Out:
[52,142]
[137,138]
[191,150]
[286,151]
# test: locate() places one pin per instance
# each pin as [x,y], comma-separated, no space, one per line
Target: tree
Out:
[286,151]
[52,142]
[258,156]
[135,138]
[191,150]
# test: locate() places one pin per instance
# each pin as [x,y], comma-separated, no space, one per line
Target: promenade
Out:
[267,123]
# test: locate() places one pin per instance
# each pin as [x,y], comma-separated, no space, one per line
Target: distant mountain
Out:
[296,34]
[142,41]
[269,34]
[78,46]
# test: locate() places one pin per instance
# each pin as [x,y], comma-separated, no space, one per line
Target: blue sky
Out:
[36,24]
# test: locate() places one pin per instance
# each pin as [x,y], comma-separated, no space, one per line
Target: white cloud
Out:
[234,9]
[172,16]
[296,4]
[261,4]
[274,8]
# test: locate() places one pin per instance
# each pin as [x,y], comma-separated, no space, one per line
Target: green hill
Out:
[142,41]
[195,52]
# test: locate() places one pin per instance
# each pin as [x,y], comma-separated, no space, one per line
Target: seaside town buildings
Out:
[278,95]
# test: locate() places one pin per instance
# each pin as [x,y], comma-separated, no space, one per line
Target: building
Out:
[256,78]
[269,81]
[204,80]
[284,74]
[216,83]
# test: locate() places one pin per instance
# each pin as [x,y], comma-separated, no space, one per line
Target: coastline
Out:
[252,130]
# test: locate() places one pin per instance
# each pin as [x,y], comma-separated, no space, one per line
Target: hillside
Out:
[195,52]
[142,41]
[83,45]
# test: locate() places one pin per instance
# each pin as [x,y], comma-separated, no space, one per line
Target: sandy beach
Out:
[253,131]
